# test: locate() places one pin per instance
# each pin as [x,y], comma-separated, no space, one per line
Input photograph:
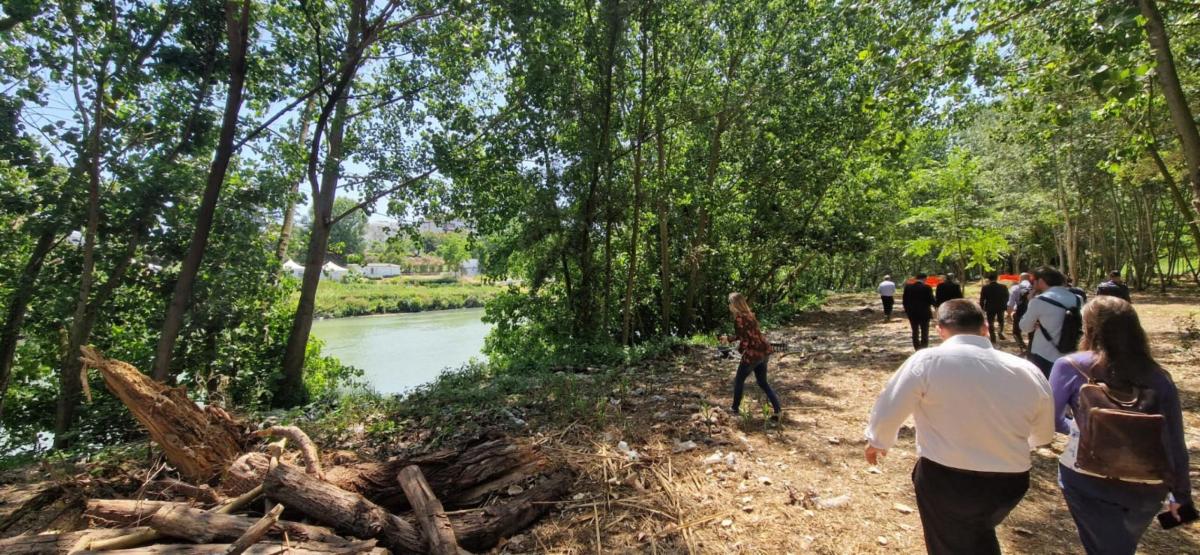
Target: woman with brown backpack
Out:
[1126,448]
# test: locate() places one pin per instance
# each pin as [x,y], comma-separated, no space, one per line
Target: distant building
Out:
[379,270]
[470,268]
[445,227]
[294,269]
[333,271]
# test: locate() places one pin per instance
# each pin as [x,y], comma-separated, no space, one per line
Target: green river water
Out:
[401,351]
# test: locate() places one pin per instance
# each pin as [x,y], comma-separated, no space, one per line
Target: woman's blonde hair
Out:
[739,304]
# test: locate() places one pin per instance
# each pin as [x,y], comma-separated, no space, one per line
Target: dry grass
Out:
[767,501]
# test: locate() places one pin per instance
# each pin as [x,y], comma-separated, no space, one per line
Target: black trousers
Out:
[1016,331]
[888,303]
[1043,364]
[960,509]
[920,332]
[760,375]
[992,318]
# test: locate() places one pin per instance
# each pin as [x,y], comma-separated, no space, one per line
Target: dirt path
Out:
[767,497]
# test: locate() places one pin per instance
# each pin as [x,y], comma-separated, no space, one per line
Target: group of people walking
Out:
[979,412]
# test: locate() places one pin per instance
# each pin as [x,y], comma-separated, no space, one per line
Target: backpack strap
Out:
[1086,375]
[1078,305]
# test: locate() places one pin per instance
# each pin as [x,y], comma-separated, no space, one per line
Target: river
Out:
[400,351]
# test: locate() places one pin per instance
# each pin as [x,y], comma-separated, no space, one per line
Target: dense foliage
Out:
[630,163]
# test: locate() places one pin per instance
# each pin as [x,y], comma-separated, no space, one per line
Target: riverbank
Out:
[662,467]
[338,300]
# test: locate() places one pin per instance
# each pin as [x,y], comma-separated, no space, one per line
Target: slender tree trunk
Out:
[291,388]
[1181,205]
[70,386]
[289,213]
[585,324]
[10,335]
[237,24]
[1181,114]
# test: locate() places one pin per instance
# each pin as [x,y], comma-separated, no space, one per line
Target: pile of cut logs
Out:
[444,502]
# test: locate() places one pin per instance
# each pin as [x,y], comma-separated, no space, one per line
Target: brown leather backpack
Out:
[1120,437]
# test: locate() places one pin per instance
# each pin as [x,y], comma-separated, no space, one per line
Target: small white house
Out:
[333,271]
[378,270]
[294,269]
[470,268]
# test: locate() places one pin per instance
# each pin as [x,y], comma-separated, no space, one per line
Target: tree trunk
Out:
[70,386]
[664,231]
[291,391]
[22,293]
[237,27]
[289,213]
[634,234]
[585,324]
[1181,114]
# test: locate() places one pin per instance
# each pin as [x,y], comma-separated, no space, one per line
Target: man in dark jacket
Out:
[1114,286]
[918,304]
[948,290]
[993,298]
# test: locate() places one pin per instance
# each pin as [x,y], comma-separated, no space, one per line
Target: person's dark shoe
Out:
[776,418]
[1002,338]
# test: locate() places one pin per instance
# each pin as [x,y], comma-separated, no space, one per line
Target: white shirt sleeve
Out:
[1030,319]
[1042,431]
[897,402]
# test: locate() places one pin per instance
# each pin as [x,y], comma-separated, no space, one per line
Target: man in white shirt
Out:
[1044,317]
[978,412]
[887,293]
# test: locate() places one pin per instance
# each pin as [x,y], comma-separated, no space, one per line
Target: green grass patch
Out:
[335,300]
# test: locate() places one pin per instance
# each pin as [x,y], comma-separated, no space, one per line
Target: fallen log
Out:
[123,512]
[56,543]
[200,443]
[353,514]
[148,535]
[180,521]
[458,478]
[343,510]
[256,532]
[481,530]
[429,512]
[273,548]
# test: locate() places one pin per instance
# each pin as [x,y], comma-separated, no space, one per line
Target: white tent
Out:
[293,268]
[333,271]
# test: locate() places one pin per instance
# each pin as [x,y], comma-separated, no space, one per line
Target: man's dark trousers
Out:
[995,318]
[920,331]
[888,303]
[960,509]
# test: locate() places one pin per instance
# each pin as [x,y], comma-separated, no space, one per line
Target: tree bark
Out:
[10,335]
[199,443]
[1181,114]
[664,224]
[237,26]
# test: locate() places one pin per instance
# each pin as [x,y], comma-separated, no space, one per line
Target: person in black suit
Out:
[993,298]
[948,290]
[918,305]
